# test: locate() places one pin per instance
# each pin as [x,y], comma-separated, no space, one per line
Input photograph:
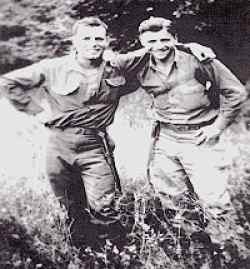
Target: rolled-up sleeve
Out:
[233,94]
[18,86]
[131,61]
[130,64]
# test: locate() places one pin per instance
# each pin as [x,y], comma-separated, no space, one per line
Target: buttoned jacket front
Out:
[192,92]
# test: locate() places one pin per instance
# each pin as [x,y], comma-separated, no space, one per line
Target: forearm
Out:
[20,85]
[129,65]
[233,94]
[230,106]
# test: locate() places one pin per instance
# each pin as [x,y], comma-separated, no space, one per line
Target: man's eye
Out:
[165,40]
[151,41]
[99,39]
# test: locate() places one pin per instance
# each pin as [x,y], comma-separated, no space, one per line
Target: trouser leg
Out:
[97,178]
[181,211]
[198,163]
[210,183]
[167,174]
[82,180]
[171,182]
[66,183]
[99,186]
[68,188]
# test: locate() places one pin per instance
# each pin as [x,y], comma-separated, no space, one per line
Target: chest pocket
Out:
[159,93]
[71,84]
[161,101]
[111,88]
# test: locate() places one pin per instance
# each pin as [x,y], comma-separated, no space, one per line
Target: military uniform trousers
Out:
[179,166]
[82,180]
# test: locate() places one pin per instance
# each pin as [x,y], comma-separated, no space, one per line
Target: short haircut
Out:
[155,24]
[89,21]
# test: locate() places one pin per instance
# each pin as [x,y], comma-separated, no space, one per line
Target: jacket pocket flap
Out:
[65,91]
[116,81]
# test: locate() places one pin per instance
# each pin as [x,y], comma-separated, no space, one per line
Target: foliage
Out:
[33,234]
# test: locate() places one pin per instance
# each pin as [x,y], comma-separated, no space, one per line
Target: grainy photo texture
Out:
[125,134]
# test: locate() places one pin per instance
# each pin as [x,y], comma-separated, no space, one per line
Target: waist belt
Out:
[78,130]
[184,127]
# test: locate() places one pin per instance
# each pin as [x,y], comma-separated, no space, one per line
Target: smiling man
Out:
[82,91]
[193,103]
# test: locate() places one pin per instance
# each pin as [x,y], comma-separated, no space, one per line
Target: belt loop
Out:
[154,136]
[156,129]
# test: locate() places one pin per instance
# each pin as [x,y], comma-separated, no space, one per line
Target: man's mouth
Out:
[94,50]
[162,51]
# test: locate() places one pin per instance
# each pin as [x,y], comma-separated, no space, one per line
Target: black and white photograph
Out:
[125,134]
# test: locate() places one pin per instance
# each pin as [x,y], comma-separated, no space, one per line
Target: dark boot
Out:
[83,233]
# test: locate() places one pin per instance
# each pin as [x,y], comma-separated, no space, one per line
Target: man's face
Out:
[90,42]
[159,43]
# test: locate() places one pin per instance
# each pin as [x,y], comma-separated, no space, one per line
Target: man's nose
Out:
[93,42]
[159,45]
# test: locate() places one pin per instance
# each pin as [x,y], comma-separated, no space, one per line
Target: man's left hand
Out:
[209,135]
[202,53]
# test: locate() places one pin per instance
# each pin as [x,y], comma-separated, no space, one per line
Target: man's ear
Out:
[109,39]
[176,38]
[141,40]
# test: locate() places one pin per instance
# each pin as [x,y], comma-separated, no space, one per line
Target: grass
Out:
[32,229]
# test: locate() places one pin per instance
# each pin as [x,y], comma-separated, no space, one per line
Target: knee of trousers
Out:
[166,182]
[57,181]
[102,203]
[66,191]
[99,186]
